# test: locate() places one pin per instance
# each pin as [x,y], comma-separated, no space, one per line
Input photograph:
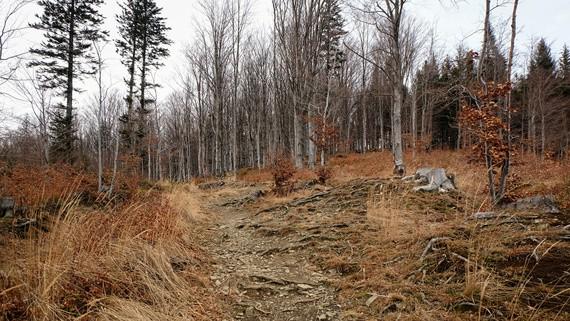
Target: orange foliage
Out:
[323,174]
[486,123]
[324,133]
[283,171]
[44,186]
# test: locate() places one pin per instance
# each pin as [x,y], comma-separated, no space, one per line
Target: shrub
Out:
[45,187]
[283,171]
[323,174]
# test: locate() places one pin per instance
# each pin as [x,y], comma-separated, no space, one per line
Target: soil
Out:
[259,272]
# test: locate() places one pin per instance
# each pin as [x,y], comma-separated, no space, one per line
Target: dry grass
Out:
[477,271]
[532,175]
[190,206]
[265,175]
[136,262]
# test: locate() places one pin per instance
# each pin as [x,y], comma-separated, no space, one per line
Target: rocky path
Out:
[261,275]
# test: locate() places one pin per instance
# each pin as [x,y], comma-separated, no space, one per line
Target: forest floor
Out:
[264,271]
[369,248]
[362,247]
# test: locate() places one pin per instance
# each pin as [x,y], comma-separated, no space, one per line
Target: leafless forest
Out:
[418,178]
[307,87]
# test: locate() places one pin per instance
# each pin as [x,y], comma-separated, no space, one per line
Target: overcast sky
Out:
[454,24]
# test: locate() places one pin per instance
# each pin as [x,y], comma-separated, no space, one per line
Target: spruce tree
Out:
[129,49]
[154,46]
[143,45]
[332,24]
[542,60]
[70,27]
[495,68]
[564,72]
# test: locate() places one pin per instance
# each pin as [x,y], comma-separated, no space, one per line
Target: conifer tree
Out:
[495,68]
[70,27]
[332,24]
[143,45]
[154,46]
[542,60]
[330,60]
[128,48]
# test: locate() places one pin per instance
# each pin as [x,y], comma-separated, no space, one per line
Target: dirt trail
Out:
[262,278]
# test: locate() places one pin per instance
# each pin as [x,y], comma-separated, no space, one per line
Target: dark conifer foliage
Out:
[564,70]
[70,27]
[332,24]
[143,44]
[542,60]
[128,47]
[495,68]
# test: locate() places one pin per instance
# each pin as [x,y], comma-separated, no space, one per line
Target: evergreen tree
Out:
[564,72]
[70,27]
[154,46]
[495,68]
[542,60]
[332,24]
[129,50]
[143,45]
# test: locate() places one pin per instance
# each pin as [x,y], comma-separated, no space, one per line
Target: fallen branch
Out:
[431,244]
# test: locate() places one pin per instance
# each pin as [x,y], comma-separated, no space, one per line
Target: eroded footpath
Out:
[264,269]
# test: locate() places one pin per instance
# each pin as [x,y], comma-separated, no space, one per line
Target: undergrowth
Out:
[137,260]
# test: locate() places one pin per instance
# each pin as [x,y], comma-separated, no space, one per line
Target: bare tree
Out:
[297,33]
[215,43]
[101,96]
[11,27]
[399,39]
[29,89]
[240,13]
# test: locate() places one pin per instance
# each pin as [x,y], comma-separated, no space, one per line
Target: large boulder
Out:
[432,180]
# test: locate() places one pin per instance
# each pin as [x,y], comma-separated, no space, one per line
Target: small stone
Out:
[484,215]
[304,286]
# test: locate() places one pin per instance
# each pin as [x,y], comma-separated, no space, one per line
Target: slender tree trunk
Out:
[364,123]
[542,134]
[298,132]
[381,120]
[413,120]
[99,119]
[311,144]
[130,100]
[115,164]
[69,92]
[399,168]
[507,162]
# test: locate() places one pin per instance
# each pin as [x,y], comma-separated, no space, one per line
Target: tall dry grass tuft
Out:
[134,262]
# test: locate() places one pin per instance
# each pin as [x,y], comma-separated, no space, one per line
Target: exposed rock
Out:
[432,179]
[6,207]
[545,204]
[484,215]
